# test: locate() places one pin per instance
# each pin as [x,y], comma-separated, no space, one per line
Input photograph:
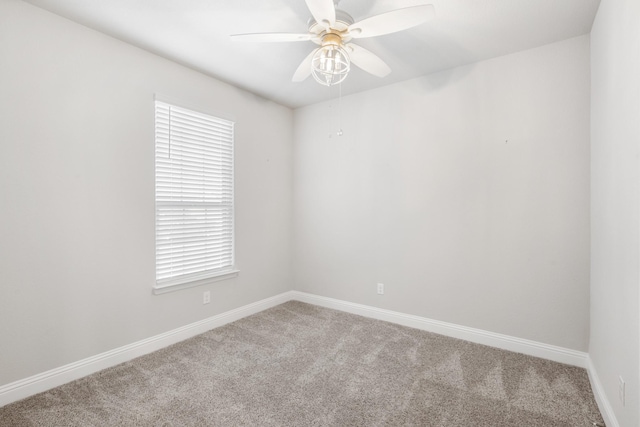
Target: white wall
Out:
[615,175]
[77,193]
[465,192]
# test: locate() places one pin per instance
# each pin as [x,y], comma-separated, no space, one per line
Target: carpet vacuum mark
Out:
[302,365]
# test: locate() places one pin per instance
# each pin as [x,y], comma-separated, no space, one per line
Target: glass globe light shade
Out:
[330,64]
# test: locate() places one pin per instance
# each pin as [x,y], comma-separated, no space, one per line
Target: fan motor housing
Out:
[343,20]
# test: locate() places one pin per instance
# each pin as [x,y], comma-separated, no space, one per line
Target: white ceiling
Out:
[196,33]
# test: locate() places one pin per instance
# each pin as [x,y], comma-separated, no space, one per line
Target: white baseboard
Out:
[505,342]
[601,399]
[41,382]
[20,389]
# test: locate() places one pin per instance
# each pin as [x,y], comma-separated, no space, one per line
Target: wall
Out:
[615,139]
[77,193]
[465,192]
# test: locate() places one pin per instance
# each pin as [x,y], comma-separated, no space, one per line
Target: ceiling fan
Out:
[333,29]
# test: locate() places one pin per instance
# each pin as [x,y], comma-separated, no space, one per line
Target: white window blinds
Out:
[194,195]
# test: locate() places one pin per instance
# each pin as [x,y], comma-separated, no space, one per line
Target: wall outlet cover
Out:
[621,390]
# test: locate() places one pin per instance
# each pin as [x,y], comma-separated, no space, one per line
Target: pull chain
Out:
[339,133]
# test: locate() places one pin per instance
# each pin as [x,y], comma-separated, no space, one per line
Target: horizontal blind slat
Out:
[194,192]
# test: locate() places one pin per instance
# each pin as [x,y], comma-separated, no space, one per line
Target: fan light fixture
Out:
[330,64]
[333,29]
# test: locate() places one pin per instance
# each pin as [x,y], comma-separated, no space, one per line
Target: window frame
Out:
[206,276]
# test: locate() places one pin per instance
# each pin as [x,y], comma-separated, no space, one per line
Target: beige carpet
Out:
[301,365]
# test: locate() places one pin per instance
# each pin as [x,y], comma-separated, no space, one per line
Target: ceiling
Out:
[196,33]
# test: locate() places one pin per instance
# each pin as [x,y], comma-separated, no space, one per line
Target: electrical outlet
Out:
[206,297]
[380,288]
[621,390]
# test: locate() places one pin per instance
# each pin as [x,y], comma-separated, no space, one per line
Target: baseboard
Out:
[21,389]
[42,382]
[505,342]
[601,398]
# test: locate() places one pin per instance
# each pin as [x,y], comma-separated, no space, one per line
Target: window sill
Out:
[192,282]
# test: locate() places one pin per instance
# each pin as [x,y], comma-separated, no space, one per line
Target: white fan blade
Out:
[368,61]
[323,11]
[272,37]
[304,69]
[391,22]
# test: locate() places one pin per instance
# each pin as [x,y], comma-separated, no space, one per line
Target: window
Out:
[194,198]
